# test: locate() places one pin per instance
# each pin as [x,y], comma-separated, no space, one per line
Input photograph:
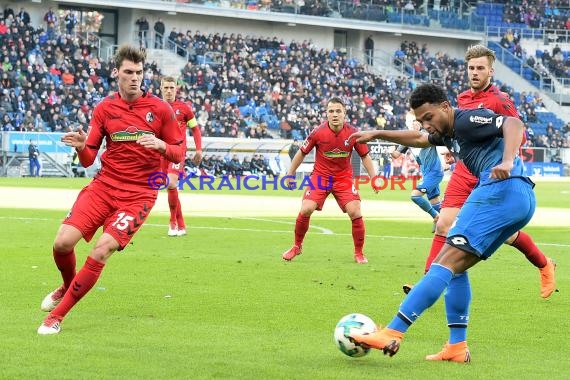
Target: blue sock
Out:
[436,206]
[424,205]
[423,295]
[457,301]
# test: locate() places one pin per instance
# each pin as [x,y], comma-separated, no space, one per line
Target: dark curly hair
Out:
[427,93]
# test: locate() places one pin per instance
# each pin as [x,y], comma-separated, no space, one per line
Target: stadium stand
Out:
[251,87]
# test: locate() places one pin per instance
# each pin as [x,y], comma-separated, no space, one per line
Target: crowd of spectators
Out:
[50,81]
[261,88]
[557,62]
[220,166]
[550,15]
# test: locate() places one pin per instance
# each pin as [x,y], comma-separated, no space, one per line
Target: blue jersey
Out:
[430,164]
[428,159]
[496,209]
[478,142]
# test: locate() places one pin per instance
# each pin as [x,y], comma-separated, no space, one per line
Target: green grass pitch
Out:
[220,303]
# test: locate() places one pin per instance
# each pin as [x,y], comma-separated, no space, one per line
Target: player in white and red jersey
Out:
[138,129]
[186,119]
[332,174]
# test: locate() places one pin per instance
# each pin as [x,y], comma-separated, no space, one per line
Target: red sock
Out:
[179,217]
[524,243]
[358,232]
[82,283]
[173,203]
[436,246]
[65,262]
[301,228]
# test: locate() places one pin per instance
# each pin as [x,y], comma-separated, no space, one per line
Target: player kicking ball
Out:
[502,203]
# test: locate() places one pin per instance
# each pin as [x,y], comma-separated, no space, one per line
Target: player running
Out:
[332,174]
[138,128]
[185,118]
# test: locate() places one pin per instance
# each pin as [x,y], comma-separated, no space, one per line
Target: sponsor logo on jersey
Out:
[130,134]
[336,153]
[499,122]
[480,119]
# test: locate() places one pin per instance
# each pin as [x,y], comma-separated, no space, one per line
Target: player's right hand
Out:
[362,137]
[289,181]
[75,139]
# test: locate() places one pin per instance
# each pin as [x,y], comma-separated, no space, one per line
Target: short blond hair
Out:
[478,51]
[167,79]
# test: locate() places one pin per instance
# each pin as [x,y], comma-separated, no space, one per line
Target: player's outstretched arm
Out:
[408,138]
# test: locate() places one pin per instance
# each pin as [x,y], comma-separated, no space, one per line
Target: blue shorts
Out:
[430,186]
[491,214]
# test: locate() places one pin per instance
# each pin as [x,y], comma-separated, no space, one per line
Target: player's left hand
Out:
[502,171]
[197,157]
[152,142]
[374,185]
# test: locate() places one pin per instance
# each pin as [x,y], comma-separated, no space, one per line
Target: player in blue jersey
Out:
[432,174]
[502,203]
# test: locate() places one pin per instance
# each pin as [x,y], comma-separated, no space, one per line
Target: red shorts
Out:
[343,191]
[120,212]
[172,168]
[460,185]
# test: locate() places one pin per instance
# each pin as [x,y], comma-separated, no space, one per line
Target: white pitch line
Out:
[325,231]
[328,232]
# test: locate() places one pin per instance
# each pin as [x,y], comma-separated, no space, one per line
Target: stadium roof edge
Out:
[338,23]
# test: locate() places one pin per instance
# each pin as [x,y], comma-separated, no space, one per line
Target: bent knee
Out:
[442,226]
[61,244]
[512,238]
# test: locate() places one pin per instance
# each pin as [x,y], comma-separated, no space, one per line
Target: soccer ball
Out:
[344,326]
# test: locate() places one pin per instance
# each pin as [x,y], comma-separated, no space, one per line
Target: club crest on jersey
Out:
[177,112]
[149,117]
[336,153]
[130,134]
[480,119]
[346,143]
